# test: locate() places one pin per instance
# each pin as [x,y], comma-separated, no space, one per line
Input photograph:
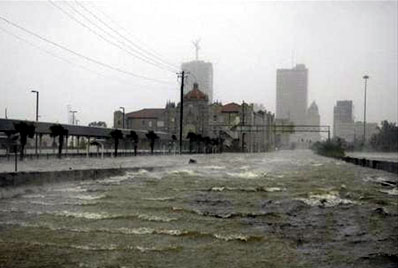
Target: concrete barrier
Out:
[375,164]
[14,183]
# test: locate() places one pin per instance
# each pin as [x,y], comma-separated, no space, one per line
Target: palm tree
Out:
[199,140]
[25,130]
[57,130]
[192,137]
[174,140]
[207,142]
[152,136]
[214,145]
[134,137]
[116,135]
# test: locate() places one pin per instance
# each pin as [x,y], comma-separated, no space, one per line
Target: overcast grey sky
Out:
[246,41]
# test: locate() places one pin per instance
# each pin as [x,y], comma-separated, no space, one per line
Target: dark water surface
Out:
[283,209]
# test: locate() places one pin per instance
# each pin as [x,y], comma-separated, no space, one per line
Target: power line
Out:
[47,51]
[117,69]
[59,57]
[143,50]
[103,37]
[148,49]
[141,56]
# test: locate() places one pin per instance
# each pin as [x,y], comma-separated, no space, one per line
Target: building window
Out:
[143,122]
[215,118]
[150,123]
[160,124]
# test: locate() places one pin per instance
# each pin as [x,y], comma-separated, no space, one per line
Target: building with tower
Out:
[199,72]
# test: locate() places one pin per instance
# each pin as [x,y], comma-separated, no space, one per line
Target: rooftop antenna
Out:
[197,47]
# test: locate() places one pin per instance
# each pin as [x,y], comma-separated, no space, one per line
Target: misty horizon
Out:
[246,42]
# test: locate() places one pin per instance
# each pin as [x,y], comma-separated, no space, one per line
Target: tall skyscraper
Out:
[291,94]
[200,72]
[313,119]
[343,120]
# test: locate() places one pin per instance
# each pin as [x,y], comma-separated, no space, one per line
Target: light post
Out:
[124,111]
[37,116]
[365,77]
[73,122]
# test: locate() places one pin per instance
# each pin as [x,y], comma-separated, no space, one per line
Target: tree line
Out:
[26,130]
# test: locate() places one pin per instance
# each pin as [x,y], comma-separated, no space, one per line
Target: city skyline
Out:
[247,42]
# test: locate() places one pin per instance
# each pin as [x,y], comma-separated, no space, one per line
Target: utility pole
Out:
[366,77]
[37,117]
[182,75]
[243,123]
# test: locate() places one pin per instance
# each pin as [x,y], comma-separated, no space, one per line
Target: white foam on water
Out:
[33,196]
[274,189]
[149,249]
[214,167]
[42,203]
[393,191]
[317,164]
[244,167]
[115,180]
[244,175]
[230,237]
[183,172]
[85,215]
[217,189]
[77,189]
[158,198]
[136,231]
[330,199]
[89,197]
[155,218]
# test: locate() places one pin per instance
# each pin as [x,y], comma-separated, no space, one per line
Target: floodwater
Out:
[282,209]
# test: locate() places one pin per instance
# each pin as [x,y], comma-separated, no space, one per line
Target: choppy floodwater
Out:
[283,209]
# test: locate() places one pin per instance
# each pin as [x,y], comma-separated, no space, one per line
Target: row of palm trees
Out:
[204,144]
[117,135]
[201,144]
[25,130]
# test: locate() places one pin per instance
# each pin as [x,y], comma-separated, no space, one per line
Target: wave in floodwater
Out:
[224,207]
[143,231]
[159,198]
[247,189]
[183,172]
[330,199]
[247,175]
[104,216]
[393,191]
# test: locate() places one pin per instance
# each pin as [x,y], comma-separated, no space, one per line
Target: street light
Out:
[37,116]
[365,77]
[123,114]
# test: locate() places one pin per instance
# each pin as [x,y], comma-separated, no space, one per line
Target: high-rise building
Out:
[291,94]
[343,120]
[199,72]
[313,119]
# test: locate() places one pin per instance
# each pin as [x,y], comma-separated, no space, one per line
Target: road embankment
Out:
[14,183]
[388,166]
